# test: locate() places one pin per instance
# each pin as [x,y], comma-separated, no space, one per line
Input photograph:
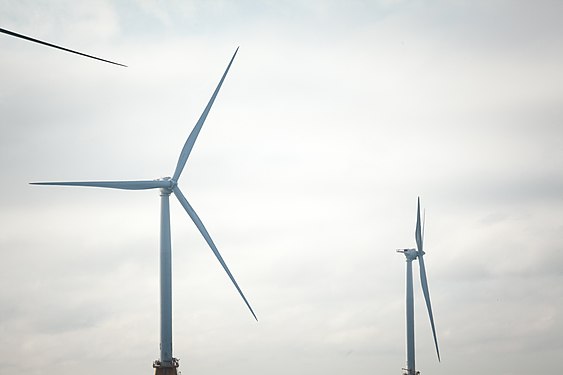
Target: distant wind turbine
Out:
[12,33]
[167,364]
[412,254]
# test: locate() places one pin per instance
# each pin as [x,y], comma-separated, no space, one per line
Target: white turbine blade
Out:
[195,132]
[418,231]
[424,283]
[126,185]
[201,227]
[423,279]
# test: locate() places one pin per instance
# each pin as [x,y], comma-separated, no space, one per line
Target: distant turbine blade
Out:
[195,132]
[424,283]
[423,279]
[126,185]
[418,231]
[199,225]
[55,46]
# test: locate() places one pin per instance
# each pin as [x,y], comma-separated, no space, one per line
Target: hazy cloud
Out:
[334,118]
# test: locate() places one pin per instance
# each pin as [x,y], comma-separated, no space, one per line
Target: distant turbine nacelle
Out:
[411,254]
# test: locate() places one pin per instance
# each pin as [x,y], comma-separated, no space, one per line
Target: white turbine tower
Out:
[412,254]
[167,364]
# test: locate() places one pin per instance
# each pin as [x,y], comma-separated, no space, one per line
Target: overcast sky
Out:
[334,117]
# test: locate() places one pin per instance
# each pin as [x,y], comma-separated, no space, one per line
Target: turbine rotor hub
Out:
[172,184]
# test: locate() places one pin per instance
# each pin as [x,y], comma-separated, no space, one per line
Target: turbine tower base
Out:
[166,368]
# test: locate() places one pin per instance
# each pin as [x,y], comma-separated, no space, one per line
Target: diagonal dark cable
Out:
[55,46]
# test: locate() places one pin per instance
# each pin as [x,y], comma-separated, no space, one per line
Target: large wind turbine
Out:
[412,254]
[167,364]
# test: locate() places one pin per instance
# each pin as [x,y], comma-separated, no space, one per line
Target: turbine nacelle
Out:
[410,254]
[171,185]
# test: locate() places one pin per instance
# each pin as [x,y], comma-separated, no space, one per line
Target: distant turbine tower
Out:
[167,364]
[55,46]
[412,254]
